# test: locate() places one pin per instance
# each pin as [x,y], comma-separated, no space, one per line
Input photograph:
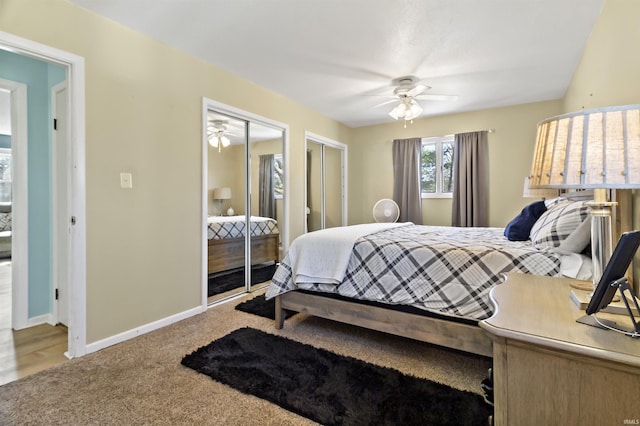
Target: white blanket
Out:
[323,256]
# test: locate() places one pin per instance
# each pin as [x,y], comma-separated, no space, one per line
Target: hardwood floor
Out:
[29,350]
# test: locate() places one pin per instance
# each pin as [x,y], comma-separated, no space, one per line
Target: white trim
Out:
[138,331]
[204,250]
[210,104]
[437,141]
[345,172]
[60,207]
[39,320]
[76,81]
[19,204]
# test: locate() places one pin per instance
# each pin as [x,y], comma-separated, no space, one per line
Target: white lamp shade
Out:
[219,139]
[223,193]
[598,148]
[414,111]
[398,111]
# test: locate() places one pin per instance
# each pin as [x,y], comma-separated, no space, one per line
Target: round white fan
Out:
[386,210]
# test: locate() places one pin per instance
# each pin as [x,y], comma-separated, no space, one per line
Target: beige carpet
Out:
[141,381]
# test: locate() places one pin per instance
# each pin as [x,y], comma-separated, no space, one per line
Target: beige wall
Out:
[609,73]
[510,151]
[143,115]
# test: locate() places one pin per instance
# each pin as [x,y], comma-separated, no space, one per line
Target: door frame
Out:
[210,104]
[19,204]
[322,140]
[76,207]
[60,210]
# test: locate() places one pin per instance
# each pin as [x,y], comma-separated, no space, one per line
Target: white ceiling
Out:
[330,54]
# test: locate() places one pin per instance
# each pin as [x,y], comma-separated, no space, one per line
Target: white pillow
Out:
[579,239]
[556,224]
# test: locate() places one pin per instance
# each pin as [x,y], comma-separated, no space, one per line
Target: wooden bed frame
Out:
[464,337]
[456,335]
[229,253]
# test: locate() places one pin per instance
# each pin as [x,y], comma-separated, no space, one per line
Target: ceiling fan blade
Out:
[381,96]
[419,88]
[385,103]
[437,97]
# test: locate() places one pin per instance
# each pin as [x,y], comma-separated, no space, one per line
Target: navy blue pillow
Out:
[520,227]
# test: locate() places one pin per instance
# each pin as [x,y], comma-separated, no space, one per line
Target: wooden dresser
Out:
[550,370]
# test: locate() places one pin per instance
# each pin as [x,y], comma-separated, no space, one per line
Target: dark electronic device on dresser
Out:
[613,279]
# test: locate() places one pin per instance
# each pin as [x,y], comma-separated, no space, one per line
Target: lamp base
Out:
[582,285]
[601,235]
[581,299]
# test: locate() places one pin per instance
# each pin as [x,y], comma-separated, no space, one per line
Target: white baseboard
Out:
[130,334]
[41,319]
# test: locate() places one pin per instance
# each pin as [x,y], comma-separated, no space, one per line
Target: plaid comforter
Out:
[225,227]
[447,270]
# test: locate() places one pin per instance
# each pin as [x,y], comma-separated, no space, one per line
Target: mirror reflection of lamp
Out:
[221,194]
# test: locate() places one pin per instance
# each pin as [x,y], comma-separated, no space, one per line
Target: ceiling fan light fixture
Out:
[219,140]
[414,111]
[399,111]
[407,109]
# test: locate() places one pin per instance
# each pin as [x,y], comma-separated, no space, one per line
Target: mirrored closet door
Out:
[244,200]
[326,198]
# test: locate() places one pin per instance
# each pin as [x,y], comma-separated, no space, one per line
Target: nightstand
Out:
[550,370]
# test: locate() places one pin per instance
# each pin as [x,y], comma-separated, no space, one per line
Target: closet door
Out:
[333,190]
[244,200]
[267,201]
[315,187]
[326,184]
[227,205]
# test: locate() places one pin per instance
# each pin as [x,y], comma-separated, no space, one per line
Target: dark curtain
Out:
[267,200]
[470,182]
[406,179]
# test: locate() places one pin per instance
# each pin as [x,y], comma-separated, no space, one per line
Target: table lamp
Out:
[595,149]
[221,194]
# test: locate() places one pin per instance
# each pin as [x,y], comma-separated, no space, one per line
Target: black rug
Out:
[262,307]
[225,281]
[331,389]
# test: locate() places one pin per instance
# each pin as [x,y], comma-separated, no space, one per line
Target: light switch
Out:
[126,181]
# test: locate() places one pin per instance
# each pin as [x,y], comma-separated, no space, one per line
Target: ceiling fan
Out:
[407,93]
[217,134]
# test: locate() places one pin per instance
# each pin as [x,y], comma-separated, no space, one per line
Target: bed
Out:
[425,282]
[226,242]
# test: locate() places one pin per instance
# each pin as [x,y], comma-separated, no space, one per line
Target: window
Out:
[5,175]
[436,167]
[278,176]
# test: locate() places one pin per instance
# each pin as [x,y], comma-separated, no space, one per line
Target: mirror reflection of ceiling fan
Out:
[407,93]
[218,135]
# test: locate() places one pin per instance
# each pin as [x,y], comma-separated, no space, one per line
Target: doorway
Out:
[71,210]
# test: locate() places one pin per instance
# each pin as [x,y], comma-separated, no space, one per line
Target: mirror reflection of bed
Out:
[228,204]
[226,251]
